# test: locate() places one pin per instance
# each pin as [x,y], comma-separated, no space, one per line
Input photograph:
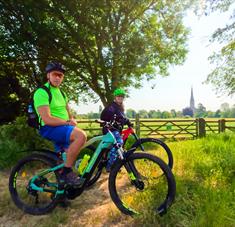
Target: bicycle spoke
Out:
[26,194]
[147,191]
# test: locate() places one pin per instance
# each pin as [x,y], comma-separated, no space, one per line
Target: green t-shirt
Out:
[57,105]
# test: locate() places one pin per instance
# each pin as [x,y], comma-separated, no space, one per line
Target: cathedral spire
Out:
[192,103]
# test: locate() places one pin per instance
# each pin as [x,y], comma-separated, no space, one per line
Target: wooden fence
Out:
[169,128]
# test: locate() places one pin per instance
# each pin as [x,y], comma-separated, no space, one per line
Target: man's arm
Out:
[71,118]
[68,110]
[45,114]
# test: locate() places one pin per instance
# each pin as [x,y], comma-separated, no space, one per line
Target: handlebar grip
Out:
[99,121]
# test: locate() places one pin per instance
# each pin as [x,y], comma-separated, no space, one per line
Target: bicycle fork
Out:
[133,174]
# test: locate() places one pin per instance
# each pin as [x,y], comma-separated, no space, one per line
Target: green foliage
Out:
[201,111]
[222,77]
[130,113]
[103,44]
[13,95]
[17,139]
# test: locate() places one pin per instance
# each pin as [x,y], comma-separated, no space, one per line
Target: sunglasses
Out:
[60,75]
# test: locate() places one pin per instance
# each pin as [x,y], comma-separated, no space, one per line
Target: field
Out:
[205,176]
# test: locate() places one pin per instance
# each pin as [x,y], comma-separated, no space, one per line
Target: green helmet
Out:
[119,92]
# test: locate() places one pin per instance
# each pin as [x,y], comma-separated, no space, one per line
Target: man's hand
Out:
[72,122]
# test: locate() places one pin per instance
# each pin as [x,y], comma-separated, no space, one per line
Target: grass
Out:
[205,175]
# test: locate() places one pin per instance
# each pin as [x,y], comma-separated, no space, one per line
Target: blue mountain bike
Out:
[138,182]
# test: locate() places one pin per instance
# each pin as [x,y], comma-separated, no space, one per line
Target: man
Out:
[57,124]
[115,109]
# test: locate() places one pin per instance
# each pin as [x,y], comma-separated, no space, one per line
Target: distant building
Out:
[190,111]
[192,102]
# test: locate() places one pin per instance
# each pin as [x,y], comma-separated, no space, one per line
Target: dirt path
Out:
[93,208]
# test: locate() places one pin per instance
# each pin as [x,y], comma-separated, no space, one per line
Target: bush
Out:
[17,140]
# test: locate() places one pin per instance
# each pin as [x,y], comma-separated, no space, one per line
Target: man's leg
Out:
[66,136]
[78,139]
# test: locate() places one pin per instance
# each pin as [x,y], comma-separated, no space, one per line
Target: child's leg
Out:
[113,155]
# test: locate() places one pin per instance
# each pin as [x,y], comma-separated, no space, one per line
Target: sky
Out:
[173,92]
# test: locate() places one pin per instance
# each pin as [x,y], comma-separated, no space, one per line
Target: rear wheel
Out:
[155,147]
[27,196]
[149,187]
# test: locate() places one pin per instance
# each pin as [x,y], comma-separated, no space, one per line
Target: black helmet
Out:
[54,66]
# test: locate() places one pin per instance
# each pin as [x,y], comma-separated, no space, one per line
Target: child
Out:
[116,108]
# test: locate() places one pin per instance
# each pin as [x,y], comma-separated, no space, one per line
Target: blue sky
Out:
[173,92]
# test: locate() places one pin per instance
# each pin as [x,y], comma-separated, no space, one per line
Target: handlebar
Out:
[111,124]
[100,121]
[107,124]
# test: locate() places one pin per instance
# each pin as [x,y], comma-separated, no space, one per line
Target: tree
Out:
[222,77]
[159,114]
[232,112]
[179,114]
[187,112]
[152,113]
[92,115]
[200,111]
[143,114]
[210,113]
[13,95]
[217,114]
[225,110]
[104,44]
[166,114]
[130,113]
[173,113]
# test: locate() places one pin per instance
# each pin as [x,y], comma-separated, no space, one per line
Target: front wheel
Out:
[142,184]
[27,195]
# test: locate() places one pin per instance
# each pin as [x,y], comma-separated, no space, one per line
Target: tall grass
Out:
[205,177]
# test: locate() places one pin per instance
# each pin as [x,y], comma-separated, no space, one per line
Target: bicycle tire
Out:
[154,141]
[13,190]
[95,177]
[167,174]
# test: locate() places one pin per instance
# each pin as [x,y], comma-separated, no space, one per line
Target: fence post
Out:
[137,124]
[221,125]
[201,127]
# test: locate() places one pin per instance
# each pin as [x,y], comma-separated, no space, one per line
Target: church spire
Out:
[192,103]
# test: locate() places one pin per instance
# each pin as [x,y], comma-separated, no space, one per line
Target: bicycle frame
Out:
[126,133]
[106,141]
[91,141]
